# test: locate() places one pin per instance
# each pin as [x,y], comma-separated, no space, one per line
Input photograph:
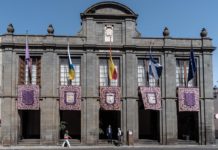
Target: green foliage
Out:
[101,131]
[63,125]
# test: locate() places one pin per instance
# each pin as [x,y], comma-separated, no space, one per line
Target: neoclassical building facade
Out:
[36,100]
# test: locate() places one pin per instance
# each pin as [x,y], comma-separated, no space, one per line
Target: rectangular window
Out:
[64,69]
[144,79]
[103,70]
[182,66]
[32,77]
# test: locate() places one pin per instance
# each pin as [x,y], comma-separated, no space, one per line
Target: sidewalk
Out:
[139,147]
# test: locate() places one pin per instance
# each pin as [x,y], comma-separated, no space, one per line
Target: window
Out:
[64,69]
[144,79]
[104,77]
[182,66]
[32,77]
[108,30]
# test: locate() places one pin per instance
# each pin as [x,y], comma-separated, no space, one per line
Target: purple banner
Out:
[70,97]
[188,99]
[28,97]
[110,98]
[151,97]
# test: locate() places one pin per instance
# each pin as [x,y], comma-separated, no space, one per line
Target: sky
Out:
[184,18]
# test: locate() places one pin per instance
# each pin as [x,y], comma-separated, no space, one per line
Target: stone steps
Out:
[36,142]
[72,142]
[147,142]
[187,142]
[29,142]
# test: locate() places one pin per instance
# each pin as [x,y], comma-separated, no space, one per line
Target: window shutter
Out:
[21,71]
[38,76]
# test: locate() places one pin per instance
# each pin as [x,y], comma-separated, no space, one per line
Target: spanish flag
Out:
[71,67]
[112,69]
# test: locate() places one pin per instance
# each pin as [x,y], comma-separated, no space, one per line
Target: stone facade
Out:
[216,111]
[89,45]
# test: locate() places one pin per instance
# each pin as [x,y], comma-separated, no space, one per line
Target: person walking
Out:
[109,134]
[66,137]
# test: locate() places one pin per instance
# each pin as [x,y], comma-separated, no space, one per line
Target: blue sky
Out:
[184,18]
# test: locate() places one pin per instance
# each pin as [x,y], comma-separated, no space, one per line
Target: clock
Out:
[109,33]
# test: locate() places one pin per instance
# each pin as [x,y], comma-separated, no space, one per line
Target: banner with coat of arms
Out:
[28,97]
[188,99]
[70,97]
[110,98]
[151,97]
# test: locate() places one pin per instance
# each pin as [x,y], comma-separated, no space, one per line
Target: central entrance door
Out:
[107,118]
[30,124]
[149,125]
[72,120]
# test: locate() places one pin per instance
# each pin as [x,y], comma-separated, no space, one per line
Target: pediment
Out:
[109,8]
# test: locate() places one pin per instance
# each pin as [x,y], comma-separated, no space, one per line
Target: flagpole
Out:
[185,74]
[110,57]
[27,58]
[110,47]
[149,67]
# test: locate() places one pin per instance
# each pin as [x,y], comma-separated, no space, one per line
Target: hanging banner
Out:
[110,98]
[28,97]
[188,99]
[70,97]
[151,97]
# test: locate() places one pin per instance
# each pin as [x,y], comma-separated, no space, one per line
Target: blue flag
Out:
[192,66]
[155,69]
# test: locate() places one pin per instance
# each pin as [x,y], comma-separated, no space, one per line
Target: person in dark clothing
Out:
[109,134]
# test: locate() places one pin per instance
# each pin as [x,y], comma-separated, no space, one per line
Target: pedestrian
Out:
[66,137]
[119,135]
[109,134]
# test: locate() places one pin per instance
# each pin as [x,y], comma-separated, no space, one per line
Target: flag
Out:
[28,60]
[192,66]
[71,67]
[27,54]
[112,69]
[155,69]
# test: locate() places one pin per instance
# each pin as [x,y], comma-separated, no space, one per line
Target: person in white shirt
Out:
[119,134]
[66,137]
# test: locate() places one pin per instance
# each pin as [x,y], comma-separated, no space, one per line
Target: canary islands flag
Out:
[71,67]
[112,69]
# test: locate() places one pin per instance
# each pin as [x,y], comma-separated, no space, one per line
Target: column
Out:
[91,112]
[49,109]
[170,103]
[130,85]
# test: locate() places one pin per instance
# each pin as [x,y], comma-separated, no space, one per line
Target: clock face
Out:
[108,31]
[110,98]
